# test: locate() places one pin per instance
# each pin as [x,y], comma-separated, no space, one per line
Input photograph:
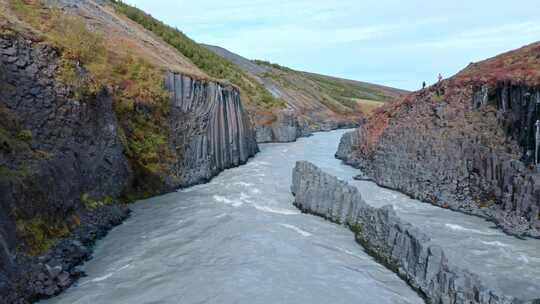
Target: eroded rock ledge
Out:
[397,244]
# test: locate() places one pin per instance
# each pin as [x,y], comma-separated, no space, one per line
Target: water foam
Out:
[243,184]
[231,202]
[495,243]
[300,231]
[103,278]
[461,228]
[276,210]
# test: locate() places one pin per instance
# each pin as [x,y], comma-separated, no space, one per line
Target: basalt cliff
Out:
[77,145]
[403,248]
[101,105]
[469,143]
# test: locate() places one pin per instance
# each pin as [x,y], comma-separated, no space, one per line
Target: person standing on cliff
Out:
[439,78]
[423,85]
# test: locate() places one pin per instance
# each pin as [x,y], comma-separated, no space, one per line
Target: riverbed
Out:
[238,239]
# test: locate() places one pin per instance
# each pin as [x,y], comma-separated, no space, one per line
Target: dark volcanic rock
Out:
[211,130]
[54,149]
[399,245]
[285,128]
[63,166]
[471,150]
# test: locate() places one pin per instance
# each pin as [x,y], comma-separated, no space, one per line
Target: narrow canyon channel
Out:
[239,239]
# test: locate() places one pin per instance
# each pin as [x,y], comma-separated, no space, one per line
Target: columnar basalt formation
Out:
[64,166]
[55,149]
[210,129]
[397,244]
[467,143]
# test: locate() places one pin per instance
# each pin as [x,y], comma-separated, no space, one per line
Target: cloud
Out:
[400,42]
[293,37]
[485,36]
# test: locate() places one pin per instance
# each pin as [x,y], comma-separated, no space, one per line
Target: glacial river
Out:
[238,239]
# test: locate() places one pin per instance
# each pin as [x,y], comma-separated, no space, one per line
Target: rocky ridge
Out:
[467,143]
[397,244]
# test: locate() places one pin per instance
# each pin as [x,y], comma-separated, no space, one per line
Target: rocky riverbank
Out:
[397,244]
[467,143]
[69,158]
[288,126]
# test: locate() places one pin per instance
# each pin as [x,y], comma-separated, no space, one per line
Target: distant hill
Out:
[316,97]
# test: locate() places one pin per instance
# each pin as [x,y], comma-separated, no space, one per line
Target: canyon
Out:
[79,140]
[109,116]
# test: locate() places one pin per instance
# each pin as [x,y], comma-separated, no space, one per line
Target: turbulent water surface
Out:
[238,239]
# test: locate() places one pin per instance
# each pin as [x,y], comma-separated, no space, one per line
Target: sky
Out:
[398,43]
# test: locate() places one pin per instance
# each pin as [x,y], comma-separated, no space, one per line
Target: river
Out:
[238,239]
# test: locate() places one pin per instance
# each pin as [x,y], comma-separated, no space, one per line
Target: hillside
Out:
[321,102]
[468,143]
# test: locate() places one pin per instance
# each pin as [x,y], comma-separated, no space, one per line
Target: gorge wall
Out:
[467,143]
[65,168]
[397,244]
[472,159]
[210,129]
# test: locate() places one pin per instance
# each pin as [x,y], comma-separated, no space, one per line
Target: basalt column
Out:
[211,130]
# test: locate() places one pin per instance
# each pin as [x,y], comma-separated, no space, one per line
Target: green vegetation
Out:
[344,91]
[89,63]
[273,65]
[92,204]
[356,228]
[339,95]
[25,135]
[203,58]
[368,106]
[40,234]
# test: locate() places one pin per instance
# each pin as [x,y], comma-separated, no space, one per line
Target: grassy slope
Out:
[206,60]
[340,95]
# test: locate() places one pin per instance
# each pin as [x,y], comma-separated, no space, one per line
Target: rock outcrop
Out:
[64,166]
[54,150]
[467,143]
[210,129]
[397,244]
[285,128]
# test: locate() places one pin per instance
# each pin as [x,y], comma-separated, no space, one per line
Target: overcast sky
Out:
[393,42]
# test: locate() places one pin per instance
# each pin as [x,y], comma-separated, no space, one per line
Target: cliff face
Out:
[210,129]
[55,149]
[64,162]
[397,244]
[467,143]
[285,127]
